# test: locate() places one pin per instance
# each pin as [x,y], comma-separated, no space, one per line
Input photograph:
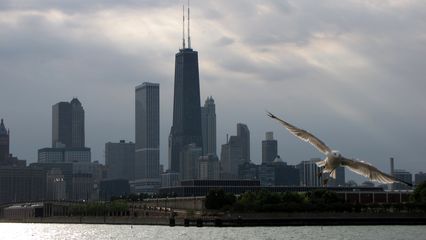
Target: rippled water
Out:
[17,231]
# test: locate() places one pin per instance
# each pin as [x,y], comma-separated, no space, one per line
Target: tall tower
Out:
[269,148]
[147,127]
[244,134]
[68,124]
[186,127]
[4,143]
[77,124]
[61,124]
[208,125]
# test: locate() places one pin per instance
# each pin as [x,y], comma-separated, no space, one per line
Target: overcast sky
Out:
[351,72]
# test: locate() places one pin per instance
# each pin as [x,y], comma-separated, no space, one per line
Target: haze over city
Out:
[352,72]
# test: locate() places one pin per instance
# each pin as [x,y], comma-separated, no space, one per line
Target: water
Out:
[18,231]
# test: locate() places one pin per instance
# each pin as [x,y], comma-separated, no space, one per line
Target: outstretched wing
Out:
[303,135]
[367,170]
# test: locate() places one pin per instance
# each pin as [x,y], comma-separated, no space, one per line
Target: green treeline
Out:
[315,201]
[118,207]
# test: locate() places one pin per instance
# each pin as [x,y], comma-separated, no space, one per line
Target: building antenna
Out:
[189,35]
[183,26]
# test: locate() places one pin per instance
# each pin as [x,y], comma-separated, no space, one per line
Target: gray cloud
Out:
[350,72]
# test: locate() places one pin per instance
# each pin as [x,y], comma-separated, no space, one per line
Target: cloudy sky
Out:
[352,72]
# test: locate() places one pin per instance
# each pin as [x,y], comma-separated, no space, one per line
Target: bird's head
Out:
[335,154]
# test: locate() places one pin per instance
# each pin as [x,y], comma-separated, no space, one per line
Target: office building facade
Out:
[186,128]
[208,125]
[309,173]
[119,160]
[269,148]
[147,131]
[68,124]
[189,162]
[243,134]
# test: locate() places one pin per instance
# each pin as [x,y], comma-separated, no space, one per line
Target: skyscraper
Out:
[189,164]
[230,158]
[309,173]
[208,125]
[77,124]
[186,127]
[119,160]
[244,134]
[68,124]
[269,148]
[235,152]
[4,143]
[147,134]
[61,124]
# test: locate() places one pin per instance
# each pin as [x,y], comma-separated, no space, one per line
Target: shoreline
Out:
[245,220]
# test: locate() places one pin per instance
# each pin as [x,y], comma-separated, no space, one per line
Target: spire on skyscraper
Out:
[189,33]
[183,26]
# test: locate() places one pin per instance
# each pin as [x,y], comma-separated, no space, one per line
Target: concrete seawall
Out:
[263,219]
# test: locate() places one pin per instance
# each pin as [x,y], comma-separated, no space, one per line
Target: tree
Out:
[219,199]
[419,194]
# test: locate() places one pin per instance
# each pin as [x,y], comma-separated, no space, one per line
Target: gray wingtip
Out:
[269,114]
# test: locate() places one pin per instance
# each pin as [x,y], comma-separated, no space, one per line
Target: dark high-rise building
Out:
[243,134]
[4,143]
[230,158]
[77,124]
[61,124]
[235,152]
[68,124]
[147,135]
[119,160]
[269,148]
[186,127]
[208,124]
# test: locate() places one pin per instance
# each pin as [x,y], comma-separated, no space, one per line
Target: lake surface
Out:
[17,231]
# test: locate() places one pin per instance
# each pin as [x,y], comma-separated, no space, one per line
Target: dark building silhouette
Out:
[231,158]
[120,160]
[22,184]
[4,143]
[77,124]
[235,152]
[68,124]
[113,188]
[66,170]
[186,127]
[243,133]
[208,124]
[269,148]
[6,158]
[285,175]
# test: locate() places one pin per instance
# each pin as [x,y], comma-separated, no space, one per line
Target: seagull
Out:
[334,159]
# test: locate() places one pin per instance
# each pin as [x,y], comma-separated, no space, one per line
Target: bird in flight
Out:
[334,159]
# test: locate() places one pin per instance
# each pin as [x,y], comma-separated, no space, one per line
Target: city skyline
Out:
[350,78]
